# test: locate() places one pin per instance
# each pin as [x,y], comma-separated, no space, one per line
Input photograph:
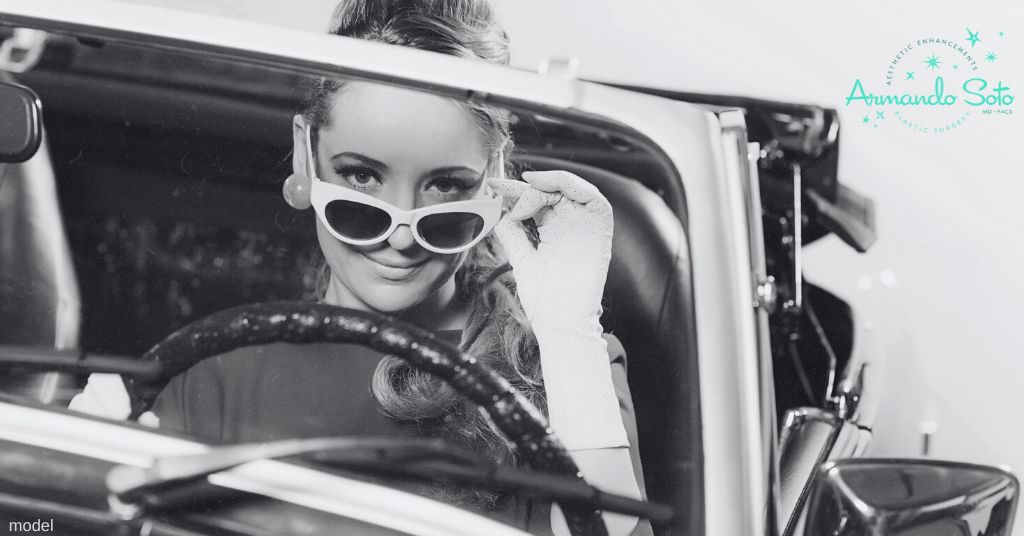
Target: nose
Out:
[405,199]
[402,238]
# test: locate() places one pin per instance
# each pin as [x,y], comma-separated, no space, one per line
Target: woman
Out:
[406,187]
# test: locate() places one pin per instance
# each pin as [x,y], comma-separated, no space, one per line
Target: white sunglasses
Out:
[362,220]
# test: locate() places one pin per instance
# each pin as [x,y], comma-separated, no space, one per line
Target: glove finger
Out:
[508,188]
[513,240]
[531,201]
[593,220]
[572,186]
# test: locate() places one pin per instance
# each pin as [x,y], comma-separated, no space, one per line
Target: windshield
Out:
[165,192]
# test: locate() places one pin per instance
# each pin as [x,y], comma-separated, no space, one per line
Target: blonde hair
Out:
[498,333]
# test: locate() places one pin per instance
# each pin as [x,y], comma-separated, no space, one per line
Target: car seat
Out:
[649,307]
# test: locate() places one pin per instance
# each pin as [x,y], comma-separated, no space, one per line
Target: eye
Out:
[359,177]
[449,186]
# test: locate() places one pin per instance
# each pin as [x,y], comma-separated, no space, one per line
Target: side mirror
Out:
[873,497]
[20,123]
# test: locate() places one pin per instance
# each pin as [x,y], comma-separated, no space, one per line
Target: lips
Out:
[393,271]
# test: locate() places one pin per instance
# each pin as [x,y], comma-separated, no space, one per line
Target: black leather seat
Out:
[649,307]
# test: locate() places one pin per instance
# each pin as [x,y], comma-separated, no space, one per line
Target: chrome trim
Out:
[767,295]
[855,497]
[797,303]
[792,505]
[847,398]
[857,394]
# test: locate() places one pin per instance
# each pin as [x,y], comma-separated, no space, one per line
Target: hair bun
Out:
[464,28]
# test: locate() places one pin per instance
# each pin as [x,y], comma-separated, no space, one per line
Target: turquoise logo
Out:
[934,85]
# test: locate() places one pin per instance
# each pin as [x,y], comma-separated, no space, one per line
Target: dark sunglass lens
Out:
[449,230]
[356,220]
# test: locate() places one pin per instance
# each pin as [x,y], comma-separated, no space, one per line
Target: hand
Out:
[105,396]
[561,280]
[560,283]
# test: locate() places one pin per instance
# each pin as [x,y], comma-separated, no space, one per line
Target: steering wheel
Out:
[303,322]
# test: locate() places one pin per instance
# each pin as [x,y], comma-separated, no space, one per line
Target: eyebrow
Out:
[363,159]
[453,169]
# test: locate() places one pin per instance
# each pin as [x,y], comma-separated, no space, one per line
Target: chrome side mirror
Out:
[873,497]
[21,120]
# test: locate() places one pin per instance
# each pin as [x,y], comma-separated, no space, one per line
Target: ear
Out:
[498,166]
[296,188]
[299,147]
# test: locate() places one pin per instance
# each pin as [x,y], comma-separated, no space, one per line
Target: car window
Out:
[156,201]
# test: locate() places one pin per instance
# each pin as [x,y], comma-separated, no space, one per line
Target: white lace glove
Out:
[560,283]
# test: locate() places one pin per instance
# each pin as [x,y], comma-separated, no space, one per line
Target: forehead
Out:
[397,124]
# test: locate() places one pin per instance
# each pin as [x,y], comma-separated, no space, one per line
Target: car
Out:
[754,390]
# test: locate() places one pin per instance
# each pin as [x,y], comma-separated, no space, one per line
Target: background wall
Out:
[950,251]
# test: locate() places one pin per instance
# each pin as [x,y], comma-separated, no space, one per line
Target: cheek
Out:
[338,254]
[347,261]
[443,267]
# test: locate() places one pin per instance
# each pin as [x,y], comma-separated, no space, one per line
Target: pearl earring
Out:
[296,192]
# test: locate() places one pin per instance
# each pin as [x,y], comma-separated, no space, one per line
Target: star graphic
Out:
[956,66]
[865,120]
[1000,34]
[973,37]
[910,75]
[932,61]
[991,56]
[880,115]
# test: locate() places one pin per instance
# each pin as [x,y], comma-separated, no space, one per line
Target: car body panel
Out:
[136,446]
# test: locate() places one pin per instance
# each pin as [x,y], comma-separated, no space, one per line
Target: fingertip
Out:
[506,187]
[545,181]
[530,176]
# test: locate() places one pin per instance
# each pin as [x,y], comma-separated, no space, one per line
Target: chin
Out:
[393,298]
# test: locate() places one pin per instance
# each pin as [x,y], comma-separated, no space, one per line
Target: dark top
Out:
[282,390]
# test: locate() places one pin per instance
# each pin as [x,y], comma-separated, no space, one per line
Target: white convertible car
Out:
[128,131]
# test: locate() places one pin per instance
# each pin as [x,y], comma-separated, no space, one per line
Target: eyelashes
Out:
[359,177]
[450,186]
[364,178]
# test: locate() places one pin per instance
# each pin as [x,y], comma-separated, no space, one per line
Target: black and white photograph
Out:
[511,267]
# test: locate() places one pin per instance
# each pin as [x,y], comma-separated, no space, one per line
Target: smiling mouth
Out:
[393,272]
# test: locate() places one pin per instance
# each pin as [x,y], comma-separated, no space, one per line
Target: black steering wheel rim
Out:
[305,322]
